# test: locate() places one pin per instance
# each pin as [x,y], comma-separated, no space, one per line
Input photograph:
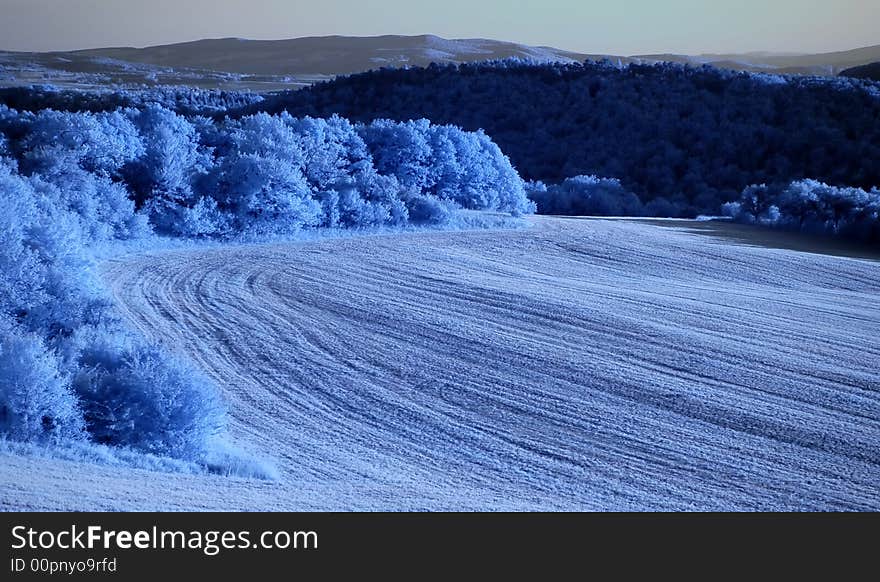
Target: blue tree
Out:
[162,179]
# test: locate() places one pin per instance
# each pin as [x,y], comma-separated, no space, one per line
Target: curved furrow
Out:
[577,364]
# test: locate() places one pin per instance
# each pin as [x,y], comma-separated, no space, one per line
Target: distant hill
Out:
[822,64]
[337,55]
[869,71]
[261,65]
[327,55]
[80,71]
[267,65]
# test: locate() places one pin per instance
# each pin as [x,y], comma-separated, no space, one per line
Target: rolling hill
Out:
[574,365]
[823,64]
[327,55]
[265,65]
[337,55]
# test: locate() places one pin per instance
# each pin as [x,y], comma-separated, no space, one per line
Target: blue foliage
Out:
[162,179]
[136,395]
[811,206]
[429,210]
[68,369]
[71,181]
[691,136]
[102,207]
[183,100]
[585,196]
[277,174]
[36,403]
[400,150]
[97,143]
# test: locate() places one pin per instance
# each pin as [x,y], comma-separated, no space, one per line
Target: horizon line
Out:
[374,36]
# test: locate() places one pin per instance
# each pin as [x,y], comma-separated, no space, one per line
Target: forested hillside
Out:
[693,137]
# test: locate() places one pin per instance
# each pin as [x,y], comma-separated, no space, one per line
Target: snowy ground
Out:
[580,364]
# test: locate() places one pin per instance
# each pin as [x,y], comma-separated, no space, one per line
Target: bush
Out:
[183,100]
[136,395]
[429,210]
[266,195]
[694,136]
[98,143]
[103,208]
[162,179]
[126,173]
[36,403]
[400,150]
[811,206]
[69,370]
[585,196]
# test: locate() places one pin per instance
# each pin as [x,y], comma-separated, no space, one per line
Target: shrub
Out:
[695,136]
[136,395]
[36,403]
[811,206]
[69,369]
[586,196]
[162,179]
[98,143]
[429,210]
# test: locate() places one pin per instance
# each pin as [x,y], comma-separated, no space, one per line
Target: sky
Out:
[622,27]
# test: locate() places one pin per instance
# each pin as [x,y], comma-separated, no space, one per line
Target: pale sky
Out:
[611,27]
